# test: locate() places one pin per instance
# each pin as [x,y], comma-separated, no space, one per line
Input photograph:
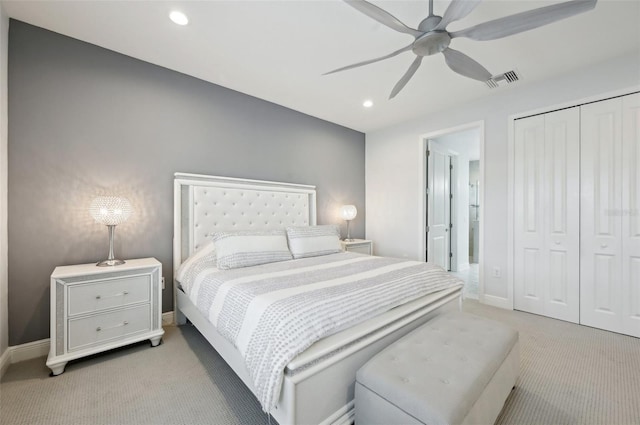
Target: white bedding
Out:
[273,312]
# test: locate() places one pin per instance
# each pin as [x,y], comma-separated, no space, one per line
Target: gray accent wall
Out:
[86,121]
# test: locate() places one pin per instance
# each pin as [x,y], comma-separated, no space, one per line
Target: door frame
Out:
[422,162]
[508,302]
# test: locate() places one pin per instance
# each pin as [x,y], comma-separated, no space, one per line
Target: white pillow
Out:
[311,241]
[250,248]
[207,250]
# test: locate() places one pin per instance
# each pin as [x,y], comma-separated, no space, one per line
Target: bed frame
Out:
[322,391]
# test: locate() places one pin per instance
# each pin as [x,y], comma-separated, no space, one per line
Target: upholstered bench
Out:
[456,369]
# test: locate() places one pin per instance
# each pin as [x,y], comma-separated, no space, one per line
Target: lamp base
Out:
[348,239]
[110,263]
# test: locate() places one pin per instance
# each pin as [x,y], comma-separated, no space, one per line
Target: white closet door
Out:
[529,269]
[601,218]
[546,257]
[562,214]
[631,215]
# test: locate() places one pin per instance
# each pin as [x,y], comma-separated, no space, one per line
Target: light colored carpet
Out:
[181,381]
[570,375]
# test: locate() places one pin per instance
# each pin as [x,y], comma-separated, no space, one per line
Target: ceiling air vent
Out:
[503,79]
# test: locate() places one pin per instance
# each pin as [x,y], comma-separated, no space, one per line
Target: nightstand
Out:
[361,246]
[94,309]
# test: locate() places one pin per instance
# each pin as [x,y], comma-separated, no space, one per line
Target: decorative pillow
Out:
[250,248]
[311,241]
[206,253]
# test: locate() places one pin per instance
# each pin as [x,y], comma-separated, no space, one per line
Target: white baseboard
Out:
[5,361]
[494,301]
[167,318]
[30,350]
[22,352]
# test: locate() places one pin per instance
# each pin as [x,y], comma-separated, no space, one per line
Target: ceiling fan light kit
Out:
[431,36]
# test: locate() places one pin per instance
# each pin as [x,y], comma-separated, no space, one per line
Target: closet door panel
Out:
[606,274]
[632,307]
[562,203]
[631,214]
[531,275]
[601,224]
[547,179]
[558,278]
[529,270]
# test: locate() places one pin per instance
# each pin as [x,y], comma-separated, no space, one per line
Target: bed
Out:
[317,384]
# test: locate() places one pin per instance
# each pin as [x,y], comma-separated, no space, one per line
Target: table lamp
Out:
[111,211]
[348,213]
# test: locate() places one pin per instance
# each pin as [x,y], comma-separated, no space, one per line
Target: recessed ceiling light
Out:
[367,103]
[179,18]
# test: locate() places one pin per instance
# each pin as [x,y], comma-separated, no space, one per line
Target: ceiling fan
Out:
[432,36]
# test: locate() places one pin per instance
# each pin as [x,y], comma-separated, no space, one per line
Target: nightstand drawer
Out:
[105,294]
[93,330]
[361,249]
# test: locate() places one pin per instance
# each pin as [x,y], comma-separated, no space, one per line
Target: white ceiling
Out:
[277,50]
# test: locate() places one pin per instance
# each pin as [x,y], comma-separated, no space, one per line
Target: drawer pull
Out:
[119,294]
[99,328]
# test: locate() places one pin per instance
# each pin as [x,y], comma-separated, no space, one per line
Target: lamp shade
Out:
[348,212]
[110,210]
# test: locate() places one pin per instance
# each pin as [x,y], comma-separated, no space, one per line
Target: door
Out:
[529,273]
[562,214]
[438,206]
[631,215]
[601,215]
[546,243]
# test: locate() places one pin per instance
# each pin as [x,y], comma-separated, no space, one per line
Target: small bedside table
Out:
[361,246]
[95,309]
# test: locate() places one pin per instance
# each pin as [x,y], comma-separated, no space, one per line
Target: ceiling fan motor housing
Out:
[431,43]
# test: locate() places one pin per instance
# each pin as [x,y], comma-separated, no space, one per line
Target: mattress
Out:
[271,313]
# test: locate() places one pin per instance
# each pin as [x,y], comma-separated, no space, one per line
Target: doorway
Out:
[453,175]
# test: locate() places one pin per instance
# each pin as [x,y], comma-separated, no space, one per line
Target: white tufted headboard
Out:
[207,204]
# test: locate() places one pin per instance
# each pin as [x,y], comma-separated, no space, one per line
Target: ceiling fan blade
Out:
[382,16]
[525,21]
[406,77]
[464,65]
[457,10]
[355,65]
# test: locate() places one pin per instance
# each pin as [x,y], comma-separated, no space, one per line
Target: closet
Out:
[577,214]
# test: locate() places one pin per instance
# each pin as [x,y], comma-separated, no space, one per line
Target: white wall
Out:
[4,317]
[393,175]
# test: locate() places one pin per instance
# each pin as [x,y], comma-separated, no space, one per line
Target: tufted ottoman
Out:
[456,369]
